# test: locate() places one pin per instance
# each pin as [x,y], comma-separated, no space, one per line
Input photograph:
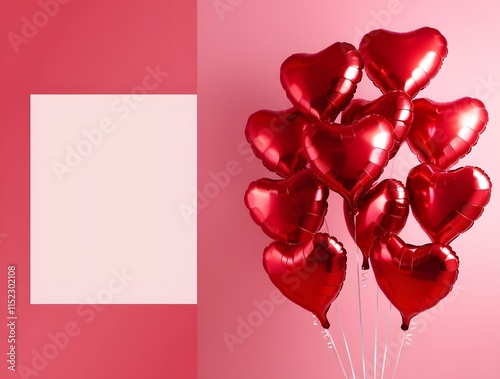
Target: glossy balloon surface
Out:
[321,85]
[446,203]
[349,158]
[311,275]
[276,139]
[403,61]
[290,210]
[395,106]
[383,210]
[442,133]
[414,278]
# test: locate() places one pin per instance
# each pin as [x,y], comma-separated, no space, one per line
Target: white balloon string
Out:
[345,341]
[399,354]
[337,353]
[409,336]
[386,340]
[365,280]
[331,344]
[359,300]
[376,337]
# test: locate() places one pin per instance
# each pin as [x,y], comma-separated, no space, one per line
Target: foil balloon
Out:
[442,133]
[383,210]
[276,139]
[321,85]
[349,158]
[403,61]
[414,278]
[311,275]
[446,203]
[290,210]
[395,106]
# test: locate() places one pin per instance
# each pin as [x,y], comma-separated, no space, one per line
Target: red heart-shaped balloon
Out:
[321,85]
[446,203]
[276,139]
[383,210]
[311,275]
[395,106]
[289,210]
[414,278]
[442,133]
[403,61]
[349,158]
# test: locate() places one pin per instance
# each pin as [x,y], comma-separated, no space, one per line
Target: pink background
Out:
[240,53]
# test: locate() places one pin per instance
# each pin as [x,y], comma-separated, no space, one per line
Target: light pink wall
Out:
[240,51]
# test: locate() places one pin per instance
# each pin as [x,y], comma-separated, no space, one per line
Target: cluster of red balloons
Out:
[313,155]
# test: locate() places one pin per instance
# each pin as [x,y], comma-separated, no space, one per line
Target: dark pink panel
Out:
[87,47]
